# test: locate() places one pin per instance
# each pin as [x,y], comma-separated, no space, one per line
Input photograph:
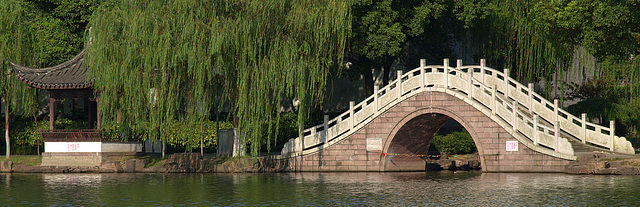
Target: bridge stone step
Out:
[580,148]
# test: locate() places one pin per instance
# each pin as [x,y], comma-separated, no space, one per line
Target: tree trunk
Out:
[6,126]
[368,80]
[35,120]
[239,143]
[164,148]
[386,70]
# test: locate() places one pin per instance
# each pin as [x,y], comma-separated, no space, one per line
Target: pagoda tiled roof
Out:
[68,75]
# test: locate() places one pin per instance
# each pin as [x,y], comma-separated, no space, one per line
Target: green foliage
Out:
[537,40]
[383,32]
[608,29]
[112,131]
[26,132]
[14,45]
[454,143]
[188,135]
[509,35]
[381,28]
[252,54]
[287,128]
[56,29]
[613,95]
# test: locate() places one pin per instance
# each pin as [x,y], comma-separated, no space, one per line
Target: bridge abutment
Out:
[407,128]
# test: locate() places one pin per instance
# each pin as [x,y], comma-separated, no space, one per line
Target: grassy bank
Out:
[27,160]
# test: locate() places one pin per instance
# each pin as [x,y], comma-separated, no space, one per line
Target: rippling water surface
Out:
[319,189]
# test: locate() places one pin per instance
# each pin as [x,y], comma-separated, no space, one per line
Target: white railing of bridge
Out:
[493,92]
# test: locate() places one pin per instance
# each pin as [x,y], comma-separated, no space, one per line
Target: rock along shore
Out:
[604,164]
[175,163]
[592,163]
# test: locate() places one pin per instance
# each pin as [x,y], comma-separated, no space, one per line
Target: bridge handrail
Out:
[490,83]
[547,111]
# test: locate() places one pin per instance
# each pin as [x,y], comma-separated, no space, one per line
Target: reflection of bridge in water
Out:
[514,128]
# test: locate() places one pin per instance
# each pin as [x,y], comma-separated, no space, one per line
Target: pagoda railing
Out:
[72,135]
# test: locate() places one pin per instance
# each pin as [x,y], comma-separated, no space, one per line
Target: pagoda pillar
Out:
[89,108]
[52,110]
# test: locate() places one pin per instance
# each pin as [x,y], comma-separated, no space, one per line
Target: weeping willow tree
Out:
[15,45]
[515,35]
[158,62]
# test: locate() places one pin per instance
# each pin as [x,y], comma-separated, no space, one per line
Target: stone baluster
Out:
[584,127]
[612,134]
[482,65]
[470,83]
[375,98]
[555,110]
[326,129]
[493,99]
[506,83]
[530,88]
[399,78]
[352,122]
[423,66]
[556,134]
[514,110]
[535,129]
[446,73]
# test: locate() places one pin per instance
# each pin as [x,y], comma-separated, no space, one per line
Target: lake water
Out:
[319,189]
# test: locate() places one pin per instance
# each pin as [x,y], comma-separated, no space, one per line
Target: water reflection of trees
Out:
[318,189]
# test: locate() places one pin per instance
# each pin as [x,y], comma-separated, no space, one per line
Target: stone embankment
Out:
[591,163]
[604,164]
[175,163]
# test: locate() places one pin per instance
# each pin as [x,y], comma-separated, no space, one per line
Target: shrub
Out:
[181,134]
[25,133]
[454,143]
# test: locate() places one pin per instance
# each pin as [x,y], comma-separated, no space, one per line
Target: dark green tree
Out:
[382,29]
[57,28]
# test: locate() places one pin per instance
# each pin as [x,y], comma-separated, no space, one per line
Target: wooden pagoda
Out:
[67,80]
[78,147]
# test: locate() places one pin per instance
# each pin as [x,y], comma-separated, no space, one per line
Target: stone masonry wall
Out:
[397,128]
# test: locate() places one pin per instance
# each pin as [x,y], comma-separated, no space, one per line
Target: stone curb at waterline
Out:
[175,163]
[600,164]
[595,163]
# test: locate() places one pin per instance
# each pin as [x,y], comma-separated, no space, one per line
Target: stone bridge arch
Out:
[418,118]
[408,127]
[414,132]
[493,107]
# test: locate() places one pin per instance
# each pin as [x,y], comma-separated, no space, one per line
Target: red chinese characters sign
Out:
[512,146]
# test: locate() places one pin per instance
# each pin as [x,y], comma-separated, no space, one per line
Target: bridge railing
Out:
[527,112]
[578,128]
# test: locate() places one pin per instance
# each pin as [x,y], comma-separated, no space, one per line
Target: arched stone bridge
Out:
[499,113]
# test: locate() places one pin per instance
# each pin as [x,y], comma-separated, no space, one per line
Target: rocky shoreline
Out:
[604,164]
[175,163]
[591,163]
